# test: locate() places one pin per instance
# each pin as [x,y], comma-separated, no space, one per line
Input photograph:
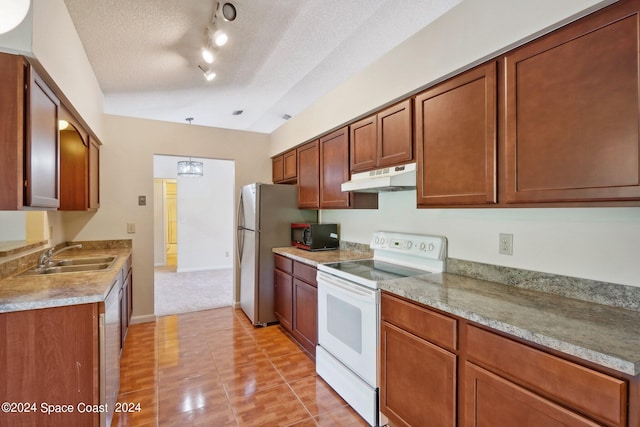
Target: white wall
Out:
[205,213]
[126,171]
[594,243]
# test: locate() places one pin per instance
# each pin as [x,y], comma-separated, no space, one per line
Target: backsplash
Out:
[606,293]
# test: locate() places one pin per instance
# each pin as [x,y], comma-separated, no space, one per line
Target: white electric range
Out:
[349,313]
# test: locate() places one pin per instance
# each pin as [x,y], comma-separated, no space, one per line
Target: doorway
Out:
[193,236]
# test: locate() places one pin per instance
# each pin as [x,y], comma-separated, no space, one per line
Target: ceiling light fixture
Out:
[220,38]
[207,55]
[190,168]
[208,74]
[228,11]
[13,13]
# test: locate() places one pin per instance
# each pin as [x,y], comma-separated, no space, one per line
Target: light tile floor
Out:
[213,368]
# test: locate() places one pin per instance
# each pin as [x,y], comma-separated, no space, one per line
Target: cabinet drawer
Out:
[590,392]
[424,323]
[305,272]
[283,263]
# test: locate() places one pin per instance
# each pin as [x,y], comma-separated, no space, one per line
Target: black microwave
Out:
[314,237]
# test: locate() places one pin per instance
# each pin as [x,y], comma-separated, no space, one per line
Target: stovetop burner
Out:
[396,256]
[374,270]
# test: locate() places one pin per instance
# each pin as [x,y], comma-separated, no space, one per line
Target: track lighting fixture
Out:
[216,37]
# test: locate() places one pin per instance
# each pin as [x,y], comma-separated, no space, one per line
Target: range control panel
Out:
[423,246]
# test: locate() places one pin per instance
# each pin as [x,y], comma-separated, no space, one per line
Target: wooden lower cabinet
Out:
[50,357]
[283,298]
[296,300]
[475,377]
[305,314]
[405,400]
[495,401]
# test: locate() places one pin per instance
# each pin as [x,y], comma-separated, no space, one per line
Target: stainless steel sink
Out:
[73,265]
[83,261]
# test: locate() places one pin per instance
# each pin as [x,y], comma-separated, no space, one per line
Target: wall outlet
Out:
[505,244]
[131,227]
[226,254]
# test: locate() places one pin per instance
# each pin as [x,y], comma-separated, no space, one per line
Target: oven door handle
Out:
[344,286]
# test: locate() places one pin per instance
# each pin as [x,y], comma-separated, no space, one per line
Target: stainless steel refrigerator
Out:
[265,214]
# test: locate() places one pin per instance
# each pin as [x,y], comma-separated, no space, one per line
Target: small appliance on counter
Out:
[314,237]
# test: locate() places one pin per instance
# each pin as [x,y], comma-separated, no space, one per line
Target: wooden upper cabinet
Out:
[290,165]
[383,139]
[94,174]
[571,112]
[79,166]
[42,186]
[334,158]
[29,173]
[456,140]
[11,131]
[284,167]
[334,170]
[363,144]
[277,168]
[309,176]
[395,136]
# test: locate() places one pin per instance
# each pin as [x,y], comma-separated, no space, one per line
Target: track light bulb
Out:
[220,38]
[207,55]
[209,75]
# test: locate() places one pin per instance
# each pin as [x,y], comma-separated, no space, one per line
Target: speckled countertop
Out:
[605,335]
[30,292]
[322,257]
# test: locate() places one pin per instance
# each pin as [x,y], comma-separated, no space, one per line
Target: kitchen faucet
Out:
[45,257]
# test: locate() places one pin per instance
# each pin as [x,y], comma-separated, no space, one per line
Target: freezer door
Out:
[247,215]
[248,275]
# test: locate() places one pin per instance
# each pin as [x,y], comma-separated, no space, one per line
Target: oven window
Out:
[344,321]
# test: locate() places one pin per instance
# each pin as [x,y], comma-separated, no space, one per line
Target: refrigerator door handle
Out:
[240,244]
[241,212]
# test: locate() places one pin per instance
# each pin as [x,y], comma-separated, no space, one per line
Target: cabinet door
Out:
[363,144]
[334,161]
[290,165]
[305,320]
[493,401]
[277,169]
[456,140]
[571,112]
[11,131]
[417,380]
[309,176]
[74,169]
[41,153]
[395,135]
[94,174]
[283,298]
[50,355]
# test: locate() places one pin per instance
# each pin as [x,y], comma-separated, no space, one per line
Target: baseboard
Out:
[207,268]
[143,319]
[236,304]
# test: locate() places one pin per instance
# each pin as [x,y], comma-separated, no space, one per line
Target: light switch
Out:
[142,200]
[131,227]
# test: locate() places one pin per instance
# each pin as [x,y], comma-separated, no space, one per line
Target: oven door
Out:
[348,323]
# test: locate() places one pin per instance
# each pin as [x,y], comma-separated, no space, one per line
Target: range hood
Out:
[394,178]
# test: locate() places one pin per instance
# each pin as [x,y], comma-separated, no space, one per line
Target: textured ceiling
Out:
[282,55]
